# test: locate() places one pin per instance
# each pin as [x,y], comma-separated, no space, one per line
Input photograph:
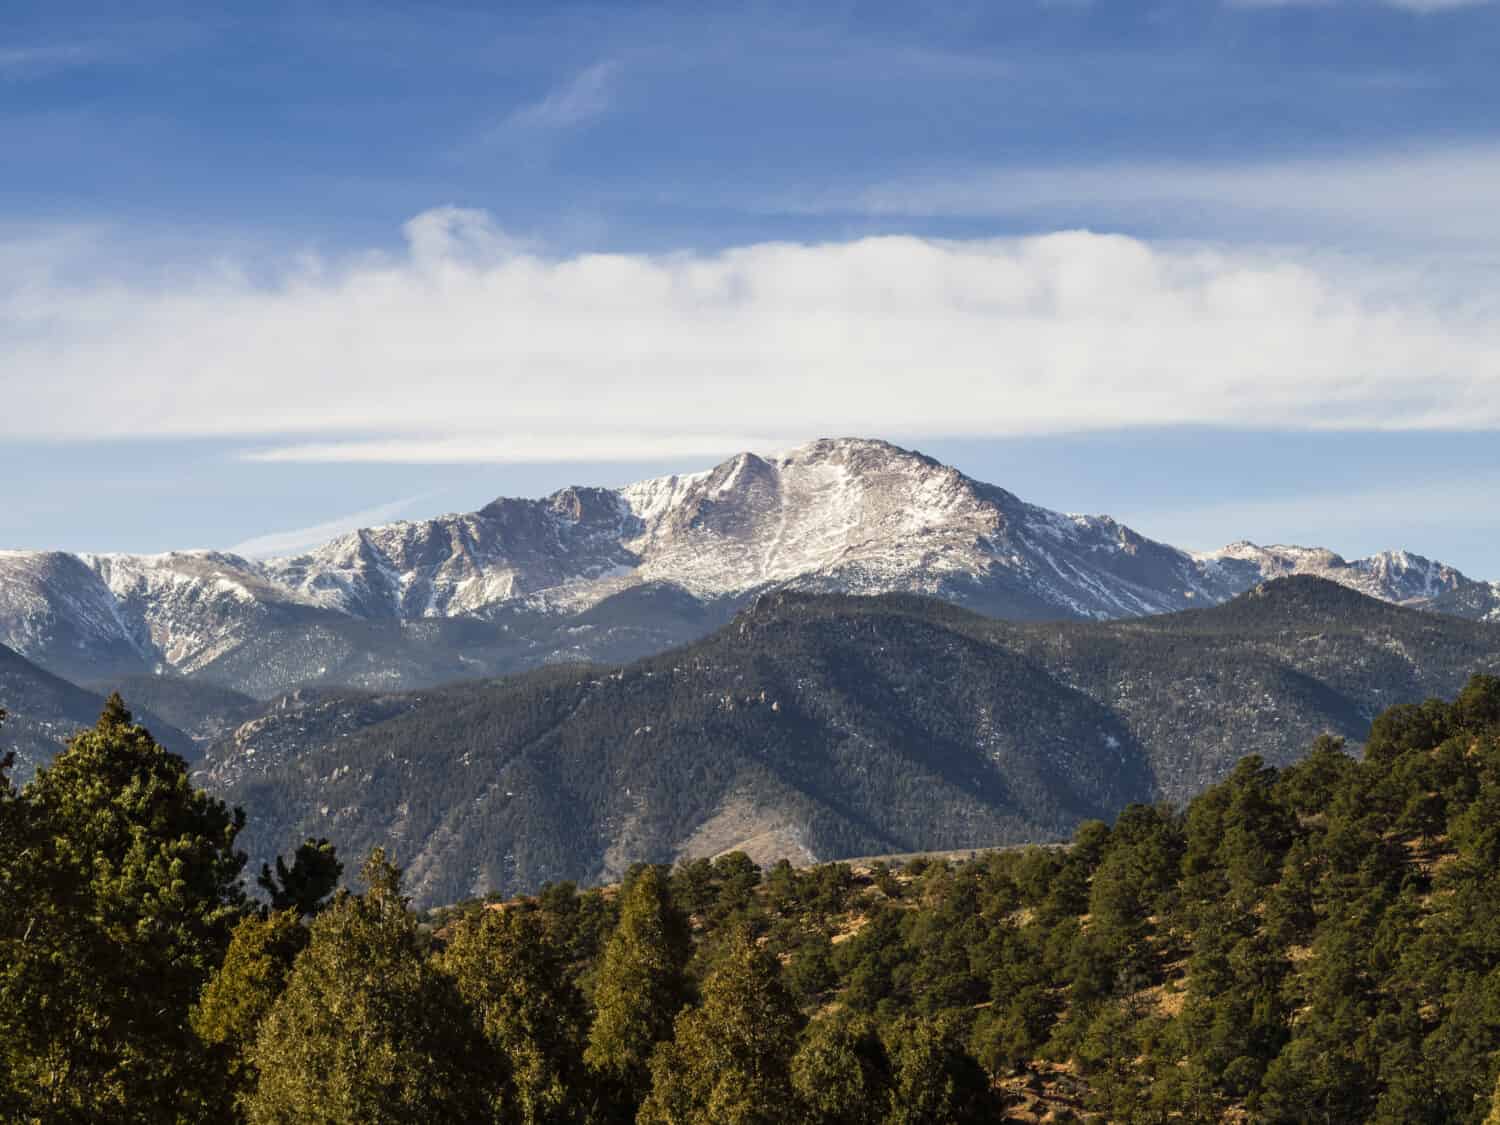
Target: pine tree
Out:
[13,836]
[934,1081]
[640,989]
[119,908]
[513,976]
[13,821]
[693,885]
[841,1073]
[729,1061]
[737,876]
[307,884]
[241,993]
[367,1031]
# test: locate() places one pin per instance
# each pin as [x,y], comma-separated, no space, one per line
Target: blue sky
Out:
[1221,269]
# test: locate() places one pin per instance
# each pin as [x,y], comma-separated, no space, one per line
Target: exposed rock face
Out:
[186,609]
[1478,601]
[848,515]
[508,551]
[866,517]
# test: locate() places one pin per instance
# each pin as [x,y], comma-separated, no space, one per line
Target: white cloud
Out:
[1437,194]
[468,348]
[451,235]
[584,97]
[279,543]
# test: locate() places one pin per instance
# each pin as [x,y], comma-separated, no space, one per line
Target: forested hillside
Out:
[817,727]
[45,711]
[1313,943]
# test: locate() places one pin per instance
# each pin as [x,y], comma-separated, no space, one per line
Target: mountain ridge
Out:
[845,515]
[817,726]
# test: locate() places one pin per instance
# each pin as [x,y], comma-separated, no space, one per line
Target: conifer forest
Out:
[1317,943]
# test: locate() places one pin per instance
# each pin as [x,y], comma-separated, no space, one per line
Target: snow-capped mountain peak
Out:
[1393,576]
[847,514]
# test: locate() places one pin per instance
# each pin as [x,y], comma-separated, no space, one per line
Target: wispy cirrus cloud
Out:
[522,446]
[119,38]
[19,62]
[531,130]
[274,543]
[588,95]
[1406,195]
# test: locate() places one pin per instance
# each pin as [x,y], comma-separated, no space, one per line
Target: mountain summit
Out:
[846,515]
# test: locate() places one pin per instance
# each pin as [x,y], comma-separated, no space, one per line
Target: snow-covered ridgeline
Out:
[848,514]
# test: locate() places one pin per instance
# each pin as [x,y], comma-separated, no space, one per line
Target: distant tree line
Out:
[1318,943]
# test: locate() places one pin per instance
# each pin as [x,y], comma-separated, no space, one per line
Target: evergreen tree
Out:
[240,994]
[367,1031]
[737,877]
[934,1081]
[640,989]
[841,1074]
[123,903]
[728,1062]
[13,836]
[514,977]
[811,972]
[306,885]
[693,885]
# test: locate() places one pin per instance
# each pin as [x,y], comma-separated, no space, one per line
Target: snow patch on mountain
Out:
[1393,576]
[54,603]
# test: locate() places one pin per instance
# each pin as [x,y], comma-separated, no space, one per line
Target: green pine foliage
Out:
[642,986]
[120,903]
[728,1060]
[240,994]
[306,885]
[368,1030]
[514,977]
[1311,943]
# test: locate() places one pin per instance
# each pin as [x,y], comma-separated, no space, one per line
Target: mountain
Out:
[55,609]
[1392,576]
[46,710]
[1479,601]
[781,734]
[615,574]
[203,711]
[819,726]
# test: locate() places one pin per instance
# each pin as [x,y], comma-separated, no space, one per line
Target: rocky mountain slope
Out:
[587,573]
[1479,601]
[819,726]
[1392,576]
